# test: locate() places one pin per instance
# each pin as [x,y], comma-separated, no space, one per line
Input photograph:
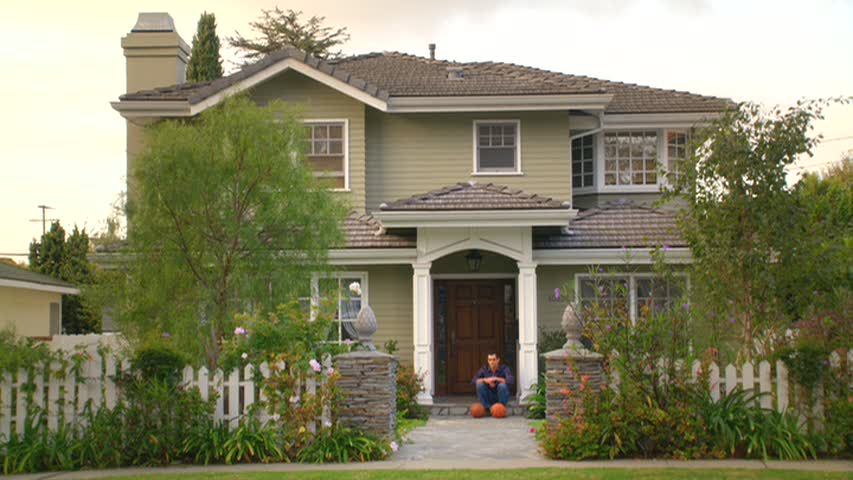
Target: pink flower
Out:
[557,293]
[348,342]
[330,371]
[394,446]
[166,335]
[315,365]
[532,430]
[239,331]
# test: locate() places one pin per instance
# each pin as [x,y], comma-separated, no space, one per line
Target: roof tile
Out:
[474,196]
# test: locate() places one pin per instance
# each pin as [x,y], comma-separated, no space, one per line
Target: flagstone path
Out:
[466,438]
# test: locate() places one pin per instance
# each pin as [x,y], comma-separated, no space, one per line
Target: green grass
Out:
[532,474]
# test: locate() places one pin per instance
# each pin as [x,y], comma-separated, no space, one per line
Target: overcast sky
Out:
[62,145]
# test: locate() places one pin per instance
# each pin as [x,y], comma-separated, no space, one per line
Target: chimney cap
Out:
[432,51]
[154,22]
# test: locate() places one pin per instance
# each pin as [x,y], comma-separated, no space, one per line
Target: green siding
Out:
[319,101]
[391,299]
[409,154]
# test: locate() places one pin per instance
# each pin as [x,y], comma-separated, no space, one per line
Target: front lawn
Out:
[531,474]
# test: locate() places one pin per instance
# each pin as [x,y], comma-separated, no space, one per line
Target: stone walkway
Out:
[466,438]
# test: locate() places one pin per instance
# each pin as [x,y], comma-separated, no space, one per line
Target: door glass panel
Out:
[441,335]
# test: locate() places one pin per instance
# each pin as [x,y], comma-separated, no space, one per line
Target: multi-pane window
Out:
[326,152]
[654,294]
[638,294]
[676,150]
[343,302]
[630,158]
[607,293]
[582,157]
[497,146]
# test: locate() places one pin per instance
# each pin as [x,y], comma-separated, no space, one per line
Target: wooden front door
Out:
[475,324]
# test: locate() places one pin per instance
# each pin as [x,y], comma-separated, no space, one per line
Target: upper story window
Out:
[582,162]
[630,158]
[676,151]
[327,151]
[497,147]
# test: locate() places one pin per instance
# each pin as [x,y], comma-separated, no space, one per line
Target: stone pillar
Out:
[563,371]
[564,368]
[528,330]
[423,328]
[369,384]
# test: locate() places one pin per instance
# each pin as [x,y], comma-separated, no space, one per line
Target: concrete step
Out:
[462,409]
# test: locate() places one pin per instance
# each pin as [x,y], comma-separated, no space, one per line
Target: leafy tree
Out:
[66,259]
[740,218]
[818,280]
[226,218]
[277,29]
[205,64]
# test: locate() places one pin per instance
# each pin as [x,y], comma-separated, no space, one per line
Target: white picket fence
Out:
[63,397]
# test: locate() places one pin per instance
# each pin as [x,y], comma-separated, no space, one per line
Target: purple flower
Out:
[557,293]
[685,306]
[608,327]
[624,248]
[600,270]
[731,302]
[732,320]
[816,292]
[167,335]
[666,248]
[239,331]
[315,365]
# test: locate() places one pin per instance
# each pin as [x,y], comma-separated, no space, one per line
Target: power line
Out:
[837,139]
[43,219]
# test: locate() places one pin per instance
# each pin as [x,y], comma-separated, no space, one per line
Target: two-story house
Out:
[477,189]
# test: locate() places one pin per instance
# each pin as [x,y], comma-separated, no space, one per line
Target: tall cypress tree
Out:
[205,64]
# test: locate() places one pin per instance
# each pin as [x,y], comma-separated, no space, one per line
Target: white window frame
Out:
[599,170]
[315,292]
[592,188]
[632,286]
[476,144]
[345,121]
[664,160]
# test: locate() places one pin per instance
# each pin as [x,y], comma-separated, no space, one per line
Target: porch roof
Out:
[364,231]
[475,196]
[620,224]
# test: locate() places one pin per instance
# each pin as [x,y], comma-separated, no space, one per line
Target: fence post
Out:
[53,387]
[203,383]
[21,401]
[764,385]
[234,398]
[731,378]
[781,386]
[110,394]
[219,414]
[248,385]
[265,374]
[714,381]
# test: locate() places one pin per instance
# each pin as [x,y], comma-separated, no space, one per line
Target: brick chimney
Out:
[156,54]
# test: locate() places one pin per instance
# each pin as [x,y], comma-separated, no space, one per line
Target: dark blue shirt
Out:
[503,372]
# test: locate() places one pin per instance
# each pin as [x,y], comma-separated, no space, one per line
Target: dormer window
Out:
[497,147]
[327,152]
[631,158]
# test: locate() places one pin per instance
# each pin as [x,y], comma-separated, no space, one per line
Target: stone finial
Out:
[572,327]
[365,327]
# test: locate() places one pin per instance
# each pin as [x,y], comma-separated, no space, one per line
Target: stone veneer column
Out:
[564,369]
[528,365]
[423,328]
[369,384]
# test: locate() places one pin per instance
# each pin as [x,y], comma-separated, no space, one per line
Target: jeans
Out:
[489,397]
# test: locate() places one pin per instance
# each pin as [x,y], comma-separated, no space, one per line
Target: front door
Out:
[474,322]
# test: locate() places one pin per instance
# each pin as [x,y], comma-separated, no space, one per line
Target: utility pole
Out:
[44,219]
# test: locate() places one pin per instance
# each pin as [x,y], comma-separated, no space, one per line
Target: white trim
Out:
[498,103]
[476,218]
[476,124]
[373,256]
[345,121]
[4,282]
[659,120]
[607,256]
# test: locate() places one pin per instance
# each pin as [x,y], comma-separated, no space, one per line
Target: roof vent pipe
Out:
[432,51]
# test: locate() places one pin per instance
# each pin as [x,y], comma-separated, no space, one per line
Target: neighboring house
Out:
[476,188]
[31,303]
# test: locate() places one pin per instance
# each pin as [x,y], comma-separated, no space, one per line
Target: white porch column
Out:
[423,333]
[528,330]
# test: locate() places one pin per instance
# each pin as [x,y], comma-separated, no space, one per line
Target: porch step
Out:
[462,409]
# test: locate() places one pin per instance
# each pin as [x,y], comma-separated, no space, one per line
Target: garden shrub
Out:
[340,445]
[409,385]
[159,361]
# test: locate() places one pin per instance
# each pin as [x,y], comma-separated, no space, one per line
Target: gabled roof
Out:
[19,278]
[621,224]
[474,196]
[364,231]
[388,75]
